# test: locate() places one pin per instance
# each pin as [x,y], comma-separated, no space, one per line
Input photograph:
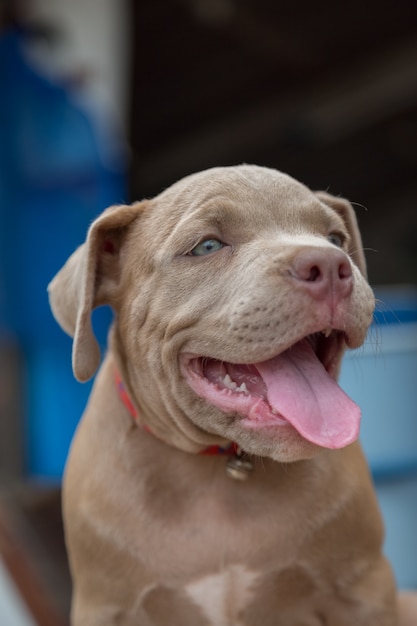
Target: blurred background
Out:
[108,101]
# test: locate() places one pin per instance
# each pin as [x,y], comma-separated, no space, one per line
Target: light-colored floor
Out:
[13,611]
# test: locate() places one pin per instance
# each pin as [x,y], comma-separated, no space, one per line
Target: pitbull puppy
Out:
[215,478]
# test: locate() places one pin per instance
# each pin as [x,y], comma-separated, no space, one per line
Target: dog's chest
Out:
[222,597]
[239,596]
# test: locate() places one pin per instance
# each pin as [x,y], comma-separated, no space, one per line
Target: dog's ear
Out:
[347,213]
[88,279]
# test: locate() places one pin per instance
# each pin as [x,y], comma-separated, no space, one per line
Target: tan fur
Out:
[157,534]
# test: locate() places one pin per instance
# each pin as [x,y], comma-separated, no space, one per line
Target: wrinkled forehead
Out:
[256,192]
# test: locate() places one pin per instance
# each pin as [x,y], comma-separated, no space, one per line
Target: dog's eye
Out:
[337,239]
[208,246]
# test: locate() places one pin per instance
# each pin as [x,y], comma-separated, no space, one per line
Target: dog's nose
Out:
[323,272]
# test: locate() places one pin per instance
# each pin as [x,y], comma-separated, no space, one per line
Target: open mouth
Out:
[296,388]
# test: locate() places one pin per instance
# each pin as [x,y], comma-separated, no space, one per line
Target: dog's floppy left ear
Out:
[347,213]
[90,278]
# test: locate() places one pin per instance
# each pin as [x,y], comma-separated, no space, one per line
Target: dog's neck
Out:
[238,466]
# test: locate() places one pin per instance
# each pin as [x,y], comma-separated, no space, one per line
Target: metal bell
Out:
[239,467]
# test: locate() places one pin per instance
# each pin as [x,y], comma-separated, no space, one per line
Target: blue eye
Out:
[336,239]
[208,246]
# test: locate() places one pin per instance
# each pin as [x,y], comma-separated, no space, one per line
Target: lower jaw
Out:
[262,432]
[275,440]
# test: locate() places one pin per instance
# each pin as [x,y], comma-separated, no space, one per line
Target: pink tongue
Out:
[301,391]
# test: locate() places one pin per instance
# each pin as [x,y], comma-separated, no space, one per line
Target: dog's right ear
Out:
[88,279]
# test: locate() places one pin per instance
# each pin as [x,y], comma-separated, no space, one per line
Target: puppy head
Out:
[225,288]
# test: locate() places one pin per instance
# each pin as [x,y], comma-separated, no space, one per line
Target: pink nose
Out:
[323,272]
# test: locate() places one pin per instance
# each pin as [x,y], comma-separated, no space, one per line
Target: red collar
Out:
[231,450]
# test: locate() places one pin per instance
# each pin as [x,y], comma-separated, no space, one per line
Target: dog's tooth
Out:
[229,383]
[326,332]
[242,388]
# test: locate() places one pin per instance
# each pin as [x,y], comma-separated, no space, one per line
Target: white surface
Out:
[13,611]
[94,38]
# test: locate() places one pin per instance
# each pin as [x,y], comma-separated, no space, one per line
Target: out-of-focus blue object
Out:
[54,180]
[382,378]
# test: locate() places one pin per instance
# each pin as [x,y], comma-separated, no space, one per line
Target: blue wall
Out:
[55,177]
